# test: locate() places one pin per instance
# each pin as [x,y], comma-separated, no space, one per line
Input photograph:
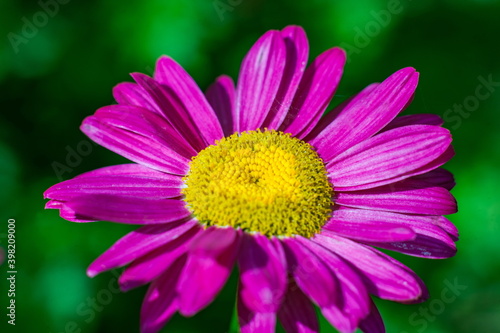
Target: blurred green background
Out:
[60,59]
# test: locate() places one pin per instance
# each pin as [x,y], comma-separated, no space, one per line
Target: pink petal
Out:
[297,52]
[180,85]
[315,91]
[70,214]
[251,322]
[128,93]
[338,319]
[130,169]
[414,119]
[392,154]
[424,246]
[331,115]
[210,260]
[442,159]
[145,183]
[52,204]
[172,110]
[437,177]
[382,277]
[262,274]
[346,224]
[311,274]
[406,196]
[112,208]
[161,300]
[221,95]
[447,226]
[145,123]
[140,149]
[138,243]
[353,303]
[258,82]
[431,240]
[148,267]
[373,323]
[366,116]
[297,314]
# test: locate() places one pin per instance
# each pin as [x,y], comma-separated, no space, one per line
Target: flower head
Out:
[254,176]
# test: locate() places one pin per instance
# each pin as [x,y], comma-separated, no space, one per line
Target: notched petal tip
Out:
[52,204]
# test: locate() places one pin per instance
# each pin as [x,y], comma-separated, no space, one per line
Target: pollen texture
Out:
[260,181]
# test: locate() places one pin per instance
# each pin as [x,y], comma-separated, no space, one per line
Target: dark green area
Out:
[63,70]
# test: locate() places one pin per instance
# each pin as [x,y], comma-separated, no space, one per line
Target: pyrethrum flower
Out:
[252,175]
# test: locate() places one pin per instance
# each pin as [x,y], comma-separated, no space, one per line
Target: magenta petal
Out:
[297,314]
[392,154]
[437,177]
[136,244]
[70,214]
[140,149]
[431,240]
[52,204]
[221,95]
[414,119]
[262,274]
[346,224]
[181,86]
[161,300]
[148,267]
[353,302]
[311,274]
[447,226]
[297,52]
[338,319]
[112,208]
[145,123]
[373,323]
[429,167]
[424,246]
[331,115]
[128,93]
[442,159]
[130,169]
[407,196]
[210,260]
[382,277]
[172,110]
[359,121]
[252,322]
[315,91]
[258,82]
[146,183]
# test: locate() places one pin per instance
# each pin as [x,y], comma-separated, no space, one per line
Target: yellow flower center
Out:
[260,181]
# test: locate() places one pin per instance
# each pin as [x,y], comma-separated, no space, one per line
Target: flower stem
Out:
[234,326]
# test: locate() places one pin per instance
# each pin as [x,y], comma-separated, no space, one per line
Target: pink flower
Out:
[253,175]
